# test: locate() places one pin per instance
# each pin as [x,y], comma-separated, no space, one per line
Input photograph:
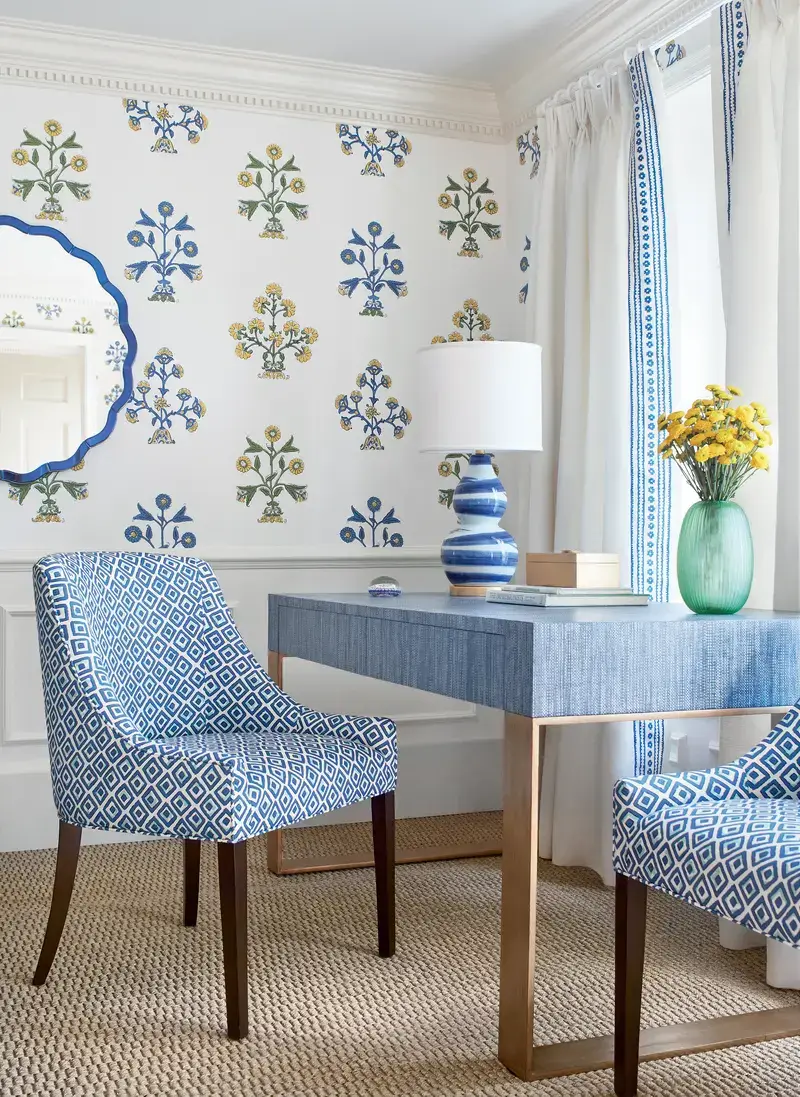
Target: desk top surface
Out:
[549,662]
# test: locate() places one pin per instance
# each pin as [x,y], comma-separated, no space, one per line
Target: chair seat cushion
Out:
[738,858]
[276,778]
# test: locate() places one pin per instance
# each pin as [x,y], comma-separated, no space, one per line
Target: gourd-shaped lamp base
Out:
[479,554]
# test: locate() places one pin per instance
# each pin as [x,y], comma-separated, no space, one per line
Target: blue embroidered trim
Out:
[127,366]
[734,37]
[651,376]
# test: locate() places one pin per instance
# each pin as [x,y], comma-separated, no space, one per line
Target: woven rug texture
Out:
[135,1002]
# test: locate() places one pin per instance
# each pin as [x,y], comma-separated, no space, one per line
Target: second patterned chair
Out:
[160,721]
[727,841]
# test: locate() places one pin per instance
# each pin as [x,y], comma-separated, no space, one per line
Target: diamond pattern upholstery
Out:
[161,721]
[726,840]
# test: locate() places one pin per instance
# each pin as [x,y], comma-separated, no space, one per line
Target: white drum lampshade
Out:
[480,398]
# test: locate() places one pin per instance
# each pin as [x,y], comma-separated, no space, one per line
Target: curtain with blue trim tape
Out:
[650,373]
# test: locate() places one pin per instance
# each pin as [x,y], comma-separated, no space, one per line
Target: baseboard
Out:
[436,778]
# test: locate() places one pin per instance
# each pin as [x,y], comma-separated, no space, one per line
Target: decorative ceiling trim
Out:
[135,66]
[605,33]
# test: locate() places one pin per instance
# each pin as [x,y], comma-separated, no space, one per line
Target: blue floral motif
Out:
[524,264]
[116,353]
[165,123]
[376,267]
[354,408]
[670,55]
[49,311]
[112,397]
[528,145]
[113,316]
[153,401]
[373,523]
[397,146]
[158,524]
[166,253]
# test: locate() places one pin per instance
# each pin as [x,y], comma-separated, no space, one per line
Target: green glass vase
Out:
[715,558]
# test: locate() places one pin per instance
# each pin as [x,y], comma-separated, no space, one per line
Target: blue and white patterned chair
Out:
[160,721]
[725,840]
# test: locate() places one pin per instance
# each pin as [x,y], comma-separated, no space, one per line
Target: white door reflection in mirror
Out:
[61,351]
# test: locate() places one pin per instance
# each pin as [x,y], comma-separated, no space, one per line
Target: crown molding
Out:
[606,32]
[135,66]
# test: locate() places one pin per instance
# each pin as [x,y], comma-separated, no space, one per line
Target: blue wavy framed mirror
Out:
[66,352]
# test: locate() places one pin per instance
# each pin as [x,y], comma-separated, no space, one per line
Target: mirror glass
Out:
[64,358]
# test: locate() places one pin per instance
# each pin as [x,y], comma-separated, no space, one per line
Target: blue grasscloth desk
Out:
[547,667]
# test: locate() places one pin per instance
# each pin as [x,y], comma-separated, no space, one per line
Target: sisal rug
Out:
[134,1004]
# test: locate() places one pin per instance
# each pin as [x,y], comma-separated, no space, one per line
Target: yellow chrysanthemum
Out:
[273,290]
[274,152]
[241,351]
[459,318]
[445,201]
[470,175]
[438,339]
[491,207]
[79,163]
[289,307]
[236,331]
[291,326]
[20,157]
[244,179]
[272,434]
[244,464]
[759,460]
[298,186]
[52,128]
[674,416]
[255,324]
[734,390]
[296,466]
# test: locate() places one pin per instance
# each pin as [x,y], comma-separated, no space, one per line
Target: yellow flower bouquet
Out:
[718,445]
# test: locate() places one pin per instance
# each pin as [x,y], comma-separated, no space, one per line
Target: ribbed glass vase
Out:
[715,558]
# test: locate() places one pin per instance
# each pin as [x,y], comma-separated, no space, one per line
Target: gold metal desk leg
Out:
[518,913]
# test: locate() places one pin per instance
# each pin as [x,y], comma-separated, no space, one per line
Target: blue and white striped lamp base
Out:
[479,554]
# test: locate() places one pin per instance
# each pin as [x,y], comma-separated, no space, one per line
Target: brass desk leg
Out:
[518,913]
[281,866]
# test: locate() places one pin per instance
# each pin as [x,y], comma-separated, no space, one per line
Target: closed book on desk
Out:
[575,599]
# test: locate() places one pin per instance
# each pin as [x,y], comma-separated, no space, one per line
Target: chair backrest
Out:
[156,627]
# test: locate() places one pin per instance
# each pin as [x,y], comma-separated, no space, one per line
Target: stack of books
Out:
[574,597]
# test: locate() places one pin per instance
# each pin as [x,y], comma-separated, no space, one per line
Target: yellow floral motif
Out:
[245,179]
[274,152]
[492,207]
[53,128]
[470,175]
[469,319]
[272,434]
[244,464]
[717,447]
[296,466]
[20,157]
[445,469]
[265,336]
[445,201]
[298,186]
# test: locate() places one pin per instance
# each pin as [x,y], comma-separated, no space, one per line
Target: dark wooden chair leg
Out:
[383,845]
[631,920]
[191,880]
[232,860]
[69,847]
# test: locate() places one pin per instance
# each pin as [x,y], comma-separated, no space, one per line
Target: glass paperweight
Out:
[385,587]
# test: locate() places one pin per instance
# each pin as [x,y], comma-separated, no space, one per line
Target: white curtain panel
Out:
[757,126]
[581,278]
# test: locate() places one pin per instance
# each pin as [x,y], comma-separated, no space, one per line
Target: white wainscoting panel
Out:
[450,751]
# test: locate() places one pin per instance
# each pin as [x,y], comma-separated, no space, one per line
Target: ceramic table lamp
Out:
[480,398]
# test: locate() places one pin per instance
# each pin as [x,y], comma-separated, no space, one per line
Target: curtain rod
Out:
[615,65]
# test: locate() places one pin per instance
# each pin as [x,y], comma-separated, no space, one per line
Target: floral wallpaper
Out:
[254,249]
